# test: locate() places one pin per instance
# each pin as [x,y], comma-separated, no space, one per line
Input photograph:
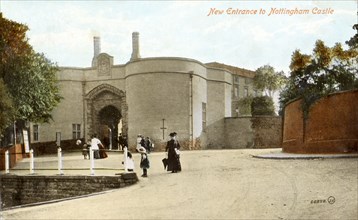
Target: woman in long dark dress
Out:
[172,148]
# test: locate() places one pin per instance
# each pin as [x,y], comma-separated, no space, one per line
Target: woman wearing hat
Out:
[172,148]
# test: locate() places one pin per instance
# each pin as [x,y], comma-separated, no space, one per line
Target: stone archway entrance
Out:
[106,113]
[109,119]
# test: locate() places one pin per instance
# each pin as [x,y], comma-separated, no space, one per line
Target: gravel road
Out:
[220,184]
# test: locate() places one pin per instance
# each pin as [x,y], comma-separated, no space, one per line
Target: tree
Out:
[34,88]
[326,70]
[262,105]
[353,42]
[6,108]
[245,105]
[268,80]
[29,77]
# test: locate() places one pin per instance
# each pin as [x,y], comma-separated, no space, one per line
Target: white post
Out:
[59,158]
[91,161]
[7,162]
[110,139]
[125,159]
[32,162]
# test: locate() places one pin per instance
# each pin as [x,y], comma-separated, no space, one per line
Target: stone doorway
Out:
[106,114]
[109,119]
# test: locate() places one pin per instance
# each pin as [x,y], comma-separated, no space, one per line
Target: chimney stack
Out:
[96,49]
[96,46]
[135,46]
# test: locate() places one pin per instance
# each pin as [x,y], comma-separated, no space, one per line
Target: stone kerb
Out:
[331,125]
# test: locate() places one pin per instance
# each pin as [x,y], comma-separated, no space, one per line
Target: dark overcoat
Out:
[173,157]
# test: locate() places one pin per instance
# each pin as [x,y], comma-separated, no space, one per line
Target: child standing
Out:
[129,162]
[144,161]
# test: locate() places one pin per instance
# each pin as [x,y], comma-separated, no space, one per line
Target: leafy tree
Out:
[268,80]
[6,108]
[245,105]
[34,87]
[13,43]
[326,70]
[262,105]
[353,42]
[29,77]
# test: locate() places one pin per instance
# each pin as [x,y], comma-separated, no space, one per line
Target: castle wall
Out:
[331,126]
[68,112]
[74,83]
[199,97]
[159,88]
[219,102]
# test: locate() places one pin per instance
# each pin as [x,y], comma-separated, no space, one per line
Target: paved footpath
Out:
[217,184]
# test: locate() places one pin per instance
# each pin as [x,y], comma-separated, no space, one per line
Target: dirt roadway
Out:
[226,184]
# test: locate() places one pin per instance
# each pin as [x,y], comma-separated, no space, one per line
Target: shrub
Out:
[262,105]
[245,105]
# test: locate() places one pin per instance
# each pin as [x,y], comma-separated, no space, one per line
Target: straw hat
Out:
[141,150]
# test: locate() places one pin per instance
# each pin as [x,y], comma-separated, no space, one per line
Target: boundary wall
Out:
[331,125]
[16,154]
[22,190]
[249,132]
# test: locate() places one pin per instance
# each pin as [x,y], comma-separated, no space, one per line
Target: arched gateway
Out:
[106,112]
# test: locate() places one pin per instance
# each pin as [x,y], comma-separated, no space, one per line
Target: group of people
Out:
[99,151]
[144,146]
[146,143]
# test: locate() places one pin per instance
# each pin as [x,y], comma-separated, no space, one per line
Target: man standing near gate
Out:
[94,145]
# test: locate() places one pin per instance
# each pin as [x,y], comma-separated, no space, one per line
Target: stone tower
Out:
[135,46]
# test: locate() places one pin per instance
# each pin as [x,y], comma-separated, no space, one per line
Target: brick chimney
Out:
[135,46]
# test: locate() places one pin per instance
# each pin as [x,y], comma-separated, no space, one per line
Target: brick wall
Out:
[20,190]
[331,126]
[16,154]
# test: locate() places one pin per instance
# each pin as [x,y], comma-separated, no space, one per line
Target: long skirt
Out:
[174,163]
[102,152]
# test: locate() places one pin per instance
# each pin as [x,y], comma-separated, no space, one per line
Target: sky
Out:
[64,30]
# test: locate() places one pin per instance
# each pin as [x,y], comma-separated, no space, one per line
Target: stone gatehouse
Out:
[151,96]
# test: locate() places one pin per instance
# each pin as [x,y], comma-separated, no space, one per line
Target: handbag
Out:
[165,163]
